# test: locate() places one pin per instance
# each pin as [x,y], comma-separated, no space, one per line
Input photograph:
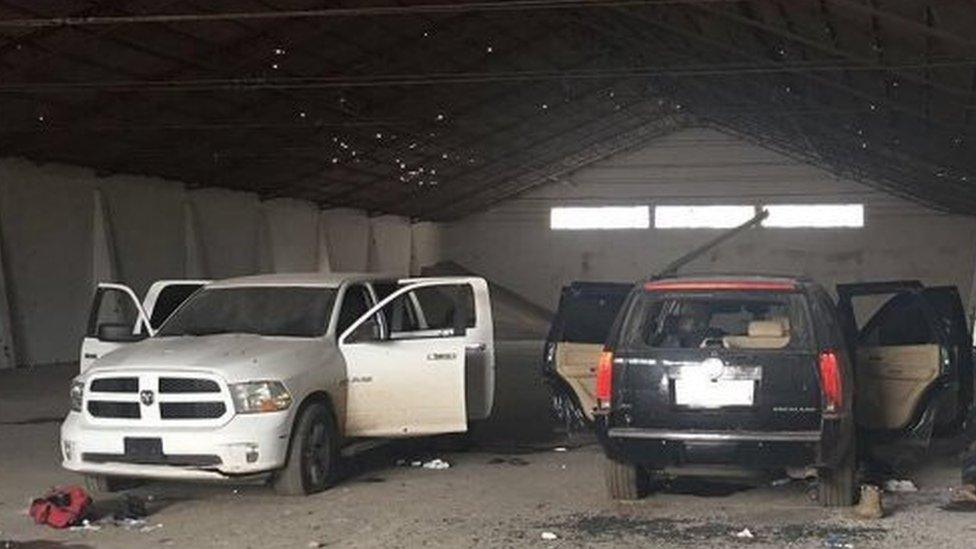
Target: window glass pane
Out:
[601,217]
[269,311]
[814,215]
[447,307]
[169,299]
[354,305]
[112,307]
[702,217]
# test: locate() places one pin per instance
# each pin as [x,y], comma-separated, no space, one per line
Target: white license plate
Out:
[701,392]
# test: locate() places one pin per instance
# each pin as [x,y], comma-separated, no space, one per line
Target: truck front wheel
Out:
[312,454]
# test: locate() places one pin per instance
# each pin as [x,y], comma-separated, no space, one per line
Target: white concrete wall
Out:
[513,244]
[46,237]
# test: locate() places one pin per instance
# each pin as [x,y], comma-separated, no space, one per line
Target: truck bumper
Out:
[245,445]
[749,449]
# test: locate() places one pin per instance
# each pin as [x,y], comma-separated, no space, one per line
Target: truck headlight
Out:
[255,397]
[76,394]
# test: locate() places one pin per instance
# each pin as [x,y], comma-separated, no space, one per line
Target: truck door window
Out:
[354,305]
[169,299]
[431,311]
[115,309]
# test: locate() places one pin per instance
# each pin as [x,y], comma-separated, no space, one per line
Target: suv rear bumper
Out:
[749,449]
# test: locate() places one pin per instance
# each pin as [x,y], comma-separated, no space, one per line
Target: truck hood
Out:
[235,357]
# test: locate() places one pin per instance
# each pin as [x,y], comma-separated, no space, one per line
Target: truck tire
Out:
[313,456]
[625,481]
[838,485]
[101,484]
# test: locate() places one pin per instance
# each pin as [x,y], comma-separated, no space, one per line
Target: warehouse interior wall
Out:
[513,244]
[63,229]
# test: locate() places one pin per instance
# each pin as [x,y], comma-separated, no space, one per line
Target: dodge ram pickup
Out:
[275,375]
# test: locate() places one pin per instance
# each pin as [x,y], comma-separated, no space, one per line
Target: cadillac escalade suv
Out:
[747,371]
[767,372]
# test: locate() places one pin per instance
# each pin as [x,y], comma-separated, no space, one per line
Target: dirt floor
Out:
[511,488]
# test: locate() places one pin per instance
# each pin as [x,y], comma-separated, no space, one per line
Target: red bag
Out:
[62,507]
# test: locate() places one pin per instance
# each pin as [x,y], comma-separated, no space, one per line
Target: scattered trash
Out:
[416,463]
[150,528]
[436,463]
[560,449]
[895,485]
[837,541]
[509,461]
[315,544]
[870,506]
[781,481]
[549,536]
[62,507]
[961,499]
[86,525]
[744,534]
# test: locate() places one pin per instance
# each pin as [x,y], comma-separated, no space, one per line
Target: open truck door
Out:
[118,318]
[422,361]
[913,366]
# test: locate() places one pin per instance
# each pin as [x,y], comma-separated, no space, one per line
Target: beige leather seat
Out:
[762,334]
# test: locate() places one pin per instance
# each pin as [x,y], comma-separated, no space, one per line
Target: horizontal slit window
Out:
[814,215]
[702,217]
[600,217]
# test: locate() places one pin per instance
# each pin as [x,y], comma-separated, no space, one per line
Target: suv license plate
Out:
[705,393]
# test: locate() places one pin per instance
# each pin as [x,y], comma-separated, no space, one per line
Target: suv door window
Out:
[354,305]
[900,321]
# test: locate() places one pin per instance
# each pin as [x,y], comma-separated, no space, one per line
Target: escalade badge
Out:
[147,397]
[714,368]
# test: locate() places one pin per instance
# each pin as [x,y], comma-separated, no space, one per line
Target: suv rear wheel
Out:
[625,481]
[837,485]
[312,454]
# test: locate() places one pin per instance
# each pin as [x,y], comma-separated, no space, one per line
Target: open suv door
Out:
[117,316]
[913,366]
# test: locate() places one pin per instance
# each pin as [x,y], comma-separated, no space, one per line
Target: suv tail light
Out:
[604,380]
[831,382]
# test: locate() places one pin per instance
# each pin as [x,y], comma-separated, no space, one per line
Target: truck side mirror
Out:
[118,333]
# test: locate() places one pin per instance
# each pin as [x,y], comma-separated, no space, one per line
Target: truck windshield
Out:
[269,311]
[730,321]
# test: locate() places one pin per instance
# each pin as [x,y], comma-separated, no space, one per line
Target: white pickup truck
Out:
[274,375]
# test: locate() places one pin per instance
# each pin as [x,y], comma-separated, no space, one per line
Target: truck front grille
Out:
[153,398]
[187,385]
[110,409]
[115,385]
[191,410]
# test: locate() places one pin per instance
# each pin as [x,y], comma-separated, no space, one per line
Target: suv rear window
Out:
[726,320]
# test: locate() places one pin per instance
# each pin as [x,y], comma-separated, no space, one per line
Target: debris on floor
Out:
[62,507]
[781,481]
[549,536]
[837,541]
[745,533]
[962,499]
[870,506]
[436,463]
[896,485]
[509,461]
[560,449]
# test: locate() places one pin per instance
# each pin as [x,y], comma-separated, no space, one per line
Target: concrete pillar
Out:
[194,258]
[8,351]
[323,262]
[265,255]
[105,264]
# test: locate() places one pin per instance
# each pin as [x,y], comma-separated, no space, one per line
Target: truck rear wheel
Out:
[625,481]
[837,485]
[312,454]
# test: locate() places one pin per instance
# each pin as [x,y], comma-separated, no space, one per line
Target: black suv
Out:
[760,372]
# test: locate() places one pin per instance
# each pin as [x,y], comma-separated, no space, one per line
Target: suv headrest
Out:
[767,328]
